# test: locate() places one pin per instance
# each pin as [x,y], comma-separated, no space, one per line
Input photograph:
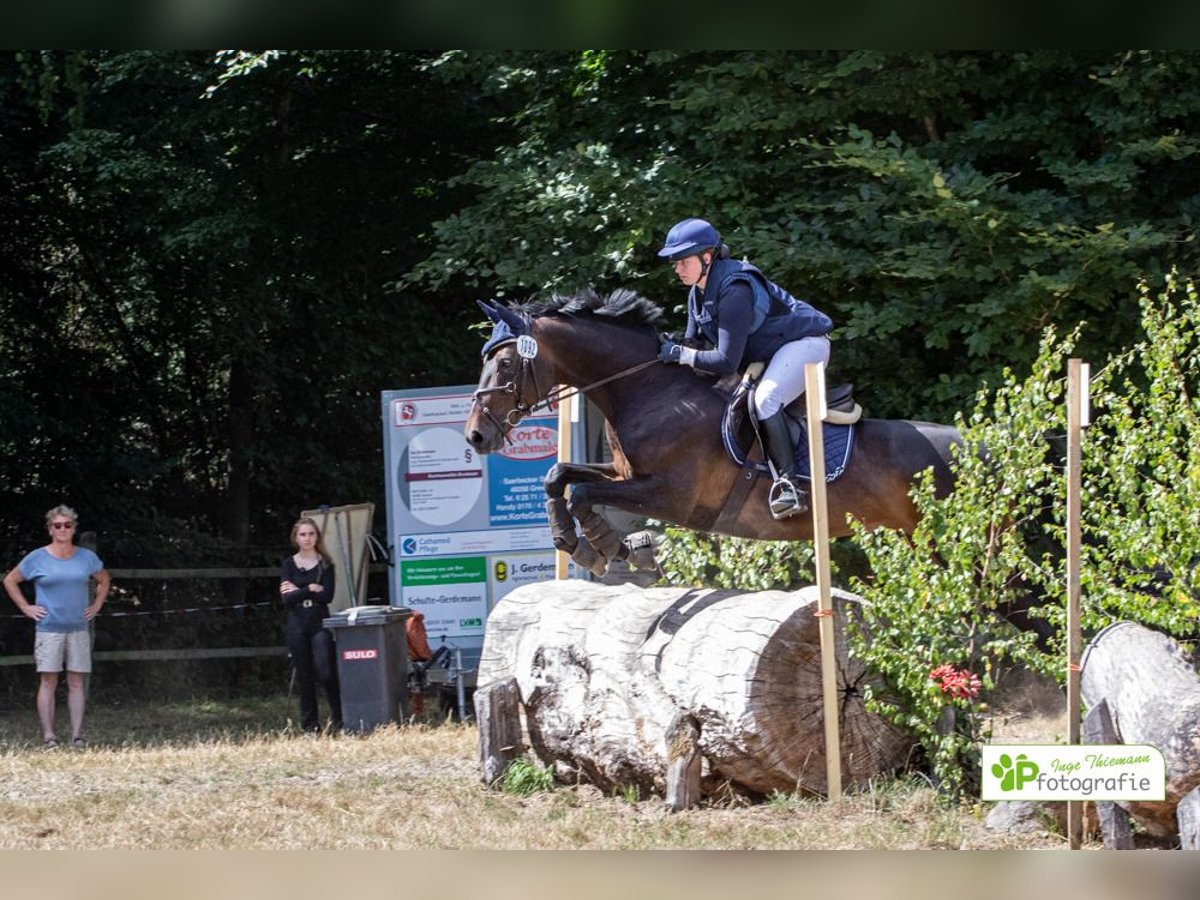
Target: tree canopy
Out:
[214,262]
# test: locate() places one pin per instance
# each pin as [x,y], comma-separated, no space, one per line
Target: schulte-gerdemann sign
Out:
[466,528]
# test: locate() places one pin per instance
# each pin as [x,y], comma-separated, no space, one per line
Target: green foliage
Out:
[214,262]
[1141,473]
[937,595]
[199,295]
[714,560]
[629,793]
[524,777]
[944,207]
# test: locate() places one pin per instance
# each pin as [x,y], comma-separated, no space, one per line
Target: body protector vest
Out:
[779,318]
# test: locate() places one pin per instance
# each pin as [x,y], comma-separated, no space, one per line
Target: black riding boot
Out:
[787,498]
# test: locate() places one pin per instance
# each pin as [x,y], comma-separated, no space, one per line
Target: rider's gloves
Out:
[669,352]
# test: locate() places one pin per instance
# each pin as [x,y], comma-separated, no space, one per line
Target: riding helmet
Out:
[689,237]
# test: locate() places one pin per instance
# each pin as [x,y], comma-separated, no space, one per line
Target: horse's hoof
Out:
[641,546]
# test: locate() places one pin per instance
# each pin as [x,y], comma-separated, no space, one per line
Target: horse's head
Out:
[509,384]
[583,340]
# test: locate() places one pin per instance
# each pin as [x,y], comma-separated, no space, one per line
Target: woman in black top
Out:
[306,587]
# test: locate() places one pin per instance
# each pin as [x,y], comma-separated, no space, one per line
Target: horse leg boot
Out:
[565,538]
[787,498]
[562,525]
[600,535]
[640,548]
[586,557]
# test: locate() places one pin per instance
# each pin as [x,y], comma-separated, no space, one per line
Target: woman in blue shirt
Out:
[60,572]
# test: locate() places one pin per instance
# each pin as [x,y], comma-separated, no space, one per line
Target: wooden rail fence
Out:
[183,653]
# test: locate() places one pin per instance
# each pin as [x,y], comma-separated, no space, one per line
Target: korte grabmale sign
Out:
[465,529]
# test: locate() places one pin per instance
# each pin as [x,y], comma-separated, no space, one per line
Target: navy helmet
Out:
[689,237]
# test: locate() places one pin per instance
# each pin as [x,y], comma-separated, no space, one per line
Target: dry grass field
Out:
[236,775]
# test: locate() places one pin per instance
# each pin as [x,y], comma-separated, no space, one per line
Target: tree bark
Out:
[497,710]
[1153,696]
[1114,821]
[607,674]
[1188,816]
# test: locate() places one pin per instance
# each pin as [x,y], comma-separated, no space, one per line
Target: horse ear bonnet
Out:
[506,325]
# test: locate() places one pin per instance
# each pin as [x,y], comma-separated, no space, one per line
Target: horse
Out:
[669,457]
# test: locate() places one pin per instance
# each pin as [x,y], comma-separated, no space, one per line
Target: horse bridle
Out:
[516,387]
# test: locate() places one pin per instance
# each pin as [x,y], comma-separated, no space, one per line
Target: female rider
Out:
[747,318]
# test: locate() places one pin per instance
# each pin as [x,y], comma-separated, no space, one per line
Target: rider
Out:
[748,319]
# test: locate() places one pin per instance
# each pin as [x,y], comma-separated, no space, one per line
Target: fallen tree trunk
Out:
[1153,696]
[606,673]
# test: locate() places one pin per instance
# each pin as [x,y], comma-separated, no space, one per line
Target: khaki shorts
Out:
[54,649]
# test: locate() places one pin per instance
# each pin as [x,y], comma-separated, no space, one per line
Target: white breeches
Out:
[783,379]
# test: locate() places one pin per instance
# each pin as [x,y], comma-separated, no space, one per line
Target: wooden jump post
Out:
[814,386]
[566,406]
[1077,420]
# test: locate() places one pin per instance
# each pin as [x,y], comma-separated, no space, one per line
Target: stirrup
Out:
[786,499]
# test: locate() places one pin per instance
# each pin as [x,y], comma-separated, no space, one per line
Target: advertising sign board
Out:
[465,529]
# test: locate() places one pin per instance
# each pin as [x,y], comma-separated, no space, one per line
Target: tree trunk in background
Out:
[605,672]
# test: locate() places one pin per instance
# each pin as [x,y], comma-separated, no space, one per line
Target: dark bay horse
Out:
[663,425]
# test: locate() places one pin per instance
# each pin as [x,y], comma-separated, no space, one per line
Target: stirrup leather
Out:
[786,499]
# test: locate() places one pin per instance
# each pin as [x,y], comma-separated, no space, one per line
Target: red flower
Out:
[960,684]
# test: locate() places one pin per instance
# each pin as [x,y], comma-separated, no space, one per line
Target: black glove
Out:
[669,351]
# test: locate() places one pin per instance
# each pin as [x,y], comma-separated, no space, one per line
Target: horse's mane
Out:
[623,306]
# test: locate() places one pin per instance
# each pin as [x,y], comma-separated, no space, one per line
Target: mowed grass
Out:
[237,775]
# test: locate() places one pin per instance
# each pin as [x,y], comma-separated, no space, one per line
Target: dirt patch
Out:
[1028,709]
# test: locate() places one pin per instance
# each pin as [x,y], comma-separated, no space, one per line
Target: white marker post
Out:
[562,561]
[1077,420]
[814,387]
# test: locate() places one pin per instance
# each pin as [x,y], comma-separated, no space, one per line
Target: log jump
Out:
[675,691]
[1151,692]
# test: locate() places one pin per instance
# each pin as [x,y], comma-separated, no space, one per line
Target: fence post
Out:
[1077,419]
[814,381]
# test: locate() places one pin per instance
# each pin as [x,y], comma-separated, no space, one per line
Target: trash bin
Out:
[372,660]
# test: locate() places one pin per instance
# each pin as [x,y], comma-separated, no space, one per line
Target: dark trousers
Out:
[314,658]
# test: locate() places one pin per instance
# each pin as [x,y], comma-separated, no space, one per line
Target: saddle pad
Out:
[839,444]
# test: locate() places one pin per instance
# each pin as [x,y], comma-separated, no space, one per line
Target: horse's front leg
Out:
[562,522]
[635,496]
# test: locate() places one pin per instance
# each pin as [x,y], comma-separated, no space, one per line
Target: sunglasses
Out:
[57,525]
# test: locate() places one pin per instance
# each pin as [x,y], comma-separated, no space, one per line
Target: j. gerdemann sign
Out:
[466,529]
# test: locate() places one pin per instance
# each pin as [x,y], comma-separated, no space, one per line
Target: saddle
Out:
[840,406]
[738,430]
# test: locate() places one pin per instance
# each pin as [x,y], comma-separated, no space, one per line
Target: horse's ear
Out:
[511,319]
[489,309]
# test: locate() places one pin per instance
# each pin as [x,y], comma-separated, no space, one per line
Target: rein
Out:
[566,392]
[521,409]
